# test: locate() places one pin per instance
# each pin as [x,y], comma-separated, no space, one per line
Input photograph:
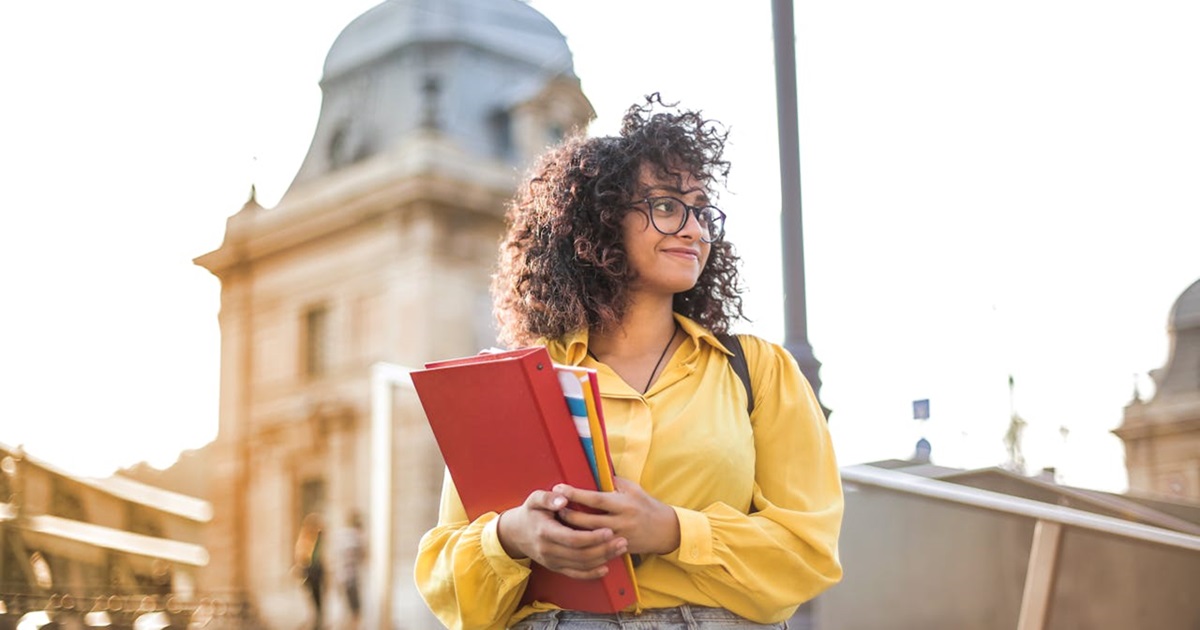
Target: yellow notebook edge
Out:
[599,437]
[600,444]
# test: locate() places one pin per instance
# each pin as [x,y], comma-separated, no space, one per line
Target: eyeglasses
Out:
[668,215]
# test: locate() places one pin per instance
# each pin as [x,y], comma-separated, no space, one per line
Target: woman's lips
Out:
[683,252]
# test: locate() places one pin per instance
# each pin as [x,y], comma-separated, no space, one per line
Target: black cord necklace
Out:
[674,331]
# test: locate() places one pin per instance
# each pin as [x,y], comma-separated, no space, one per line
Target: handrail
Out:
[998,502]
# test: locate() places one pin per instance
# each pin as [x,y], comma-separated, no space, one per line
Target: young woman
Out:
[615,260]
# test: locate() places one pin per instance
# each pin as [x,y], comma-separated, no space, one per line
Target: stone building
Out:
[1162,435]
[379,252]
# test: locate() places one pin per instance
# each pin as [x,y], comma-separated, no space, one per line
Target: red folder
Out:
[504,430]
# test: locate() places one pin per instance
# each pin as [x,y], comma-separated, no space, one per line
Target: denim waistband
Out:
[686,617]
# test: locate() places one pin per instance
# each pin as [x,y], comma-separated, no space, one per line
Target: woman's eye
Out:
[663,206]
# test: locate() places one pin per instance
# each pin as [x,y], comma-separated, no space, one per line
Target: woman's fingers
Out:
[578,519]
[647,524]
[565,548]
[533,530]
[543,500]
[602,501]
[519,528]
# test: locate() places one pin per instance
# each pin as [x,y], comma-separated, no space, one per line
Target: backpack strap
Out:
[739,365]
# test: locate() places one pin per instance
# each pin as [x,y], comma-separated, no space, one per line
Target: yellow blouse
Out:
[759,502]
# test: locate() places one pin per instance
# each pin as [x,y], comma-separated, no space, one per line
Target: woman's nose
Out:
[691,225]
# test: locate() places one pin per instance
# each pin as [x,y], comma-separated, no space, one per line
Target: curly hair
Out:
[563,265]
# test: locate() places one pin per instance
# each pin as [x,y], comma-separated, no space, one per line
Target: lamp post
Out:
[792,225]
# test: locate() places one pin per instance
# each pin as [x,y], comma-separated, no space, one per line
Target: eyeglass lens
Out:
[669,215]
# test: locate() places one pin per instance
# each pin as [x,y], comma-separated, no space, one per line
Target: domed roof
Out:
[508,27]
[1186,312]
[459,69]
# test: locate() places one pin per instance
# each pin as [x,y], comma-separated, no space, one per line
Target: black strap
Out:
[738,363]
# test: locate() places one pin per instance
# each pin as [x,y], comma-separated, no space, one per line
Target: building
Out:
[1162,435]
[379,252]
[115,547]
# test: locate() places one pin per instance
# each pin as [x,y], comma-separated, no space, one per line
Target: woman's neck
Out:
[643,330]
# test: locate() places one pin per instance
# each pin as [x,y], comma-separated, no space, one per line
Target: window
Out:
[316,341]
[500,125]
[141,520]
[65,501]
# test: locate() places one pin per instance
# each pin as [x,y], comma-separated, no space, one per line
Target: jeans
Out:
[683,617]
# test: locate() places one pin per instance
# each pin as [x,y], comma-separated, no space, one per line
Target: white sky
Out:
[988,188]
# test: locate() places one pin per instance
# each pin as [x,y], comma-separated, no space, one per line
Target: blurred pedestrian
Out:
[308,562]
[351,555]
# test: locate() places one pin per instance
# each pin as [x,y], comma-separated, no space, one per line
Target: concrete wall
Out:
[918,563]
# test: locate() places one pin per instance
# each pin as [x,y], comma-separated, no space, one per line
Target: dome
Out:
[464,70]
[1186,312]
[507,27]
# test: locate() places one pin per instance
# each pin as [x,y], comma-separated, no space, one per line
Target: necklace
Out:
[674,331]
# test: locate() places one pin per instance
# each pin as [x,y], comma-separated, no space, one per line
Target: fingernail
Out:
[558,502]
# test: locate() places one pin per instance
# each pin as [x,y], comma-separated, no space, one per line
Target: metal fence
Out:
[30,611]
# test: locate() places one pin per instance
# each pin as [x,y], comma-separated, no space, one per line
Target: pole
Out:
[791,217]
[384,378]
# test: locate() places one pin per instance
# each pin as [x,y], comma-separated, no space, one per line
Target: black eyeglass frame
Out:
[713,235]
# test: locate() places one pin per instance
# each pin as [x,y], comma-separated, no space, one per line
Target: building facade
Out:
[1162,435]
[380,251]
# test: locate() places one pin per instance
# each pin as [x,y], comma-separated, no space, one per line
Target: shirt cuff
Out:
[695,538]
[506,568]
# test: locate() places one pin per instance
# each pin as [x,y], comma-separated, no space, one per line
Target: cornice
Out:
[1154,429]
[427,169]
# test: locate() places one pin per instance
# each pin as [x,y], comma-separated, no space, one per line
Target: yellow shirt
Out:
[759,502]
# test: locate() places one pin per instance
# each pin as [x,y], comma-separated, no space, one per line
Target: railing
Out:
[114,611]
[1047,534]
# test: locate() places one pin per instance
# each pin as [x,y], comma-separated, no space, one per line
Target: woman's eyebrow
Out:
[675,190]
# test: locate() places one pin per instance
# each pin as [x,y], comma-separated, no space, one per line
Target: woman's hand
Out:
[533,531]
[649,525]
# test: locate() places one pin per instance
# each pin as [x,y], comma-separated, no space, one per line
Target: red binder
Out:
[504,430]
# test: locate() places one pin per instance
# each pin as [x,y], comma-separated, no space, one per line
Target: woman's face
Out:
[665,264]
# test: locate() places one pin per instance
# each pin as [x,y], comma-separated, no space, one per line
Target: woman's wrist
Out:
[510,546]
[670,528]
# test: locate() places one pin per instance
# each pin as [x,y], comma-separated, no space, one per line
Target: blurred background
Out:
[1000,218]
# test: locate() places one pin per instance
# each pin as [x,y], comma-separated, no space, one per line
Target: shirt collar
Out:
[572,348]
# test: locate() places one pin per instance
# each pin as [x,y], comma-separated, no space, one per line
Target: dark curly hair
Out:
[563,265]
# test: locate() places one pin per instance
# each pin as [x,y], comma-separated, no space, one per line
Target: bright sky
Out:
[988,189]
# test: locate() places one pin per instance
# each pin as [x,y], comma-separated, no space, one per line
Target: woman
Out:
[614,260]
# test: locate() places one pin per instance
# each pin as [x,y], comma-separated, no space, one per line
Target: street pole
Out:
[791,221]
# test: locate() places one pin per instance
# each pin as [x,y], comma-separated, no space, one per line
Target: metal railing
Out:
[97,609]
[998,502]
